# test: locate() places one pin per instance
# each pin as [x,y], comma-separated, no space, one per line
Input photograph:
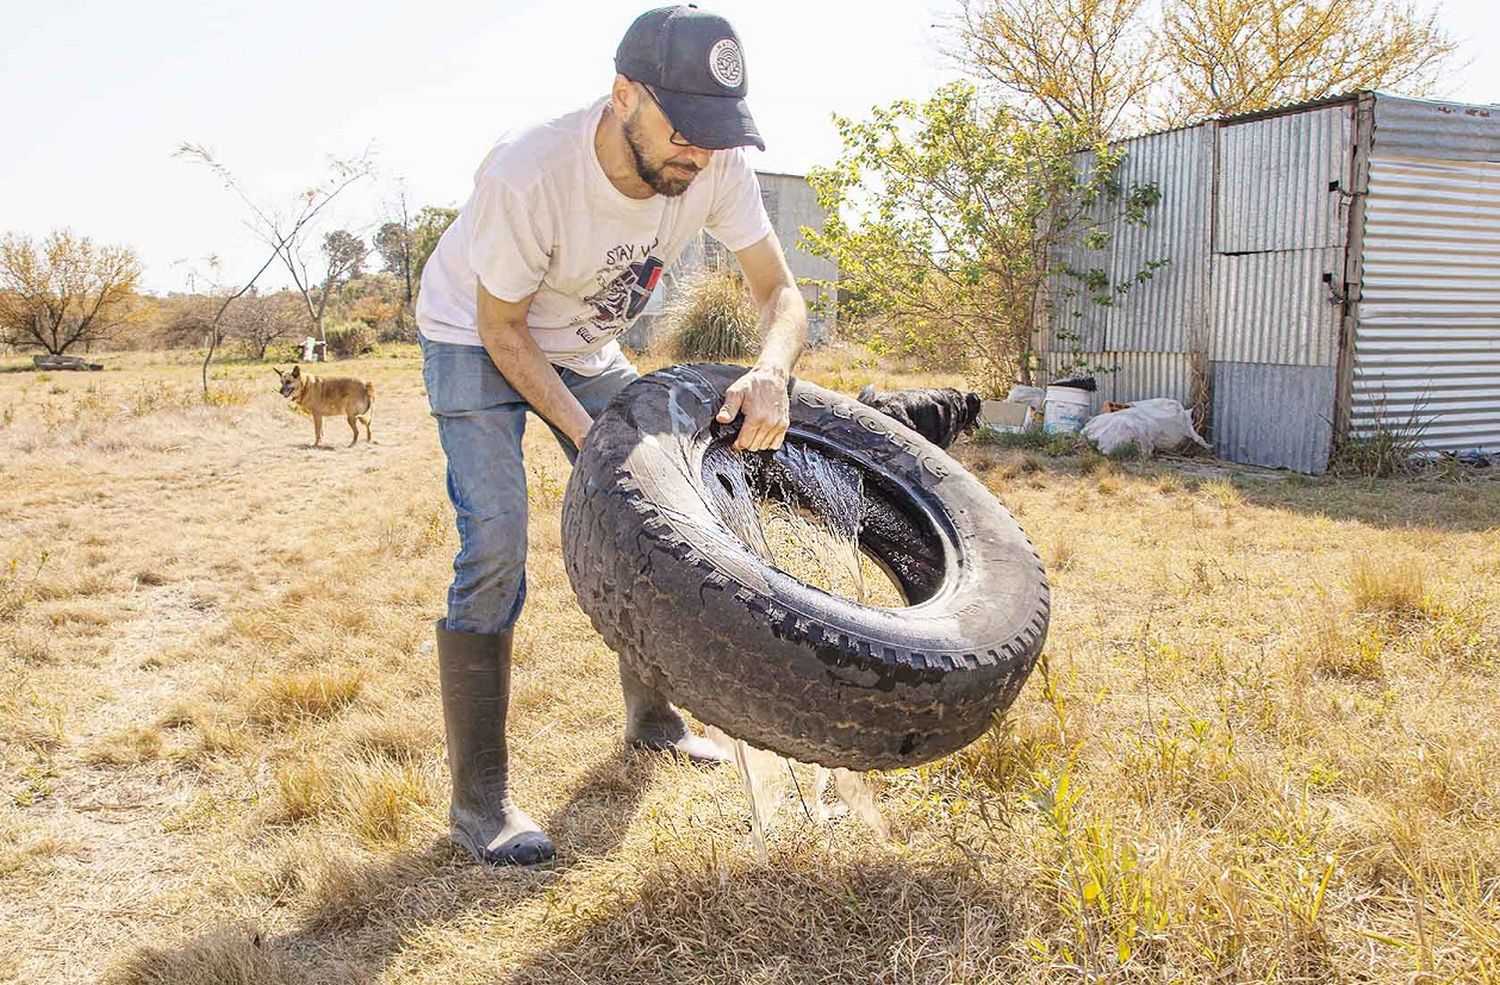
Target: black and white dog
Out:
[939,414]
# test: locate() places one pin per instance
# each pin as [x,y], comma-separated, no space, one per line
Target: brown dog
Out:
[335,395]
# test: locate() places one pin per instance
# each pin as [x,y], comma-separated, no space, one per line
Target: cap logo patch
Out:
[725,64]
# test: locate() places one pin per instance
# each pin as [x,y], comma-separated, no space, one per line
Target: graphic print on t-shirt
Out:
[622,296]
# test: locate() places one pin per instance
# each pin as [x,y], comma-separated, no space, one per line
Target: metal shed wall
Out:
[1427,345]
[1274,416]
[1134,376]
[792,204]
[1296,226]
[1276,307]
[1166,313]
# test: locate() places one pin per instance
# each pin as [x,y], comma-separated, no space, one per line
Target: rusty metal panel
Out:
[1282,182]
[1435,130]
[1427,343]
[1277,307]
[1273,416]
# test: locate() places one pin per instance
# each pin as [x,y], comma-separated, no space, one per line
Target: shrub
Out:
[349,339]
[1384,447]
[713,318]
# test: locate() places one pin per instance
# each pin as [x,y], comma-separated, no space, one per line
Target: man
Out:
[567,231]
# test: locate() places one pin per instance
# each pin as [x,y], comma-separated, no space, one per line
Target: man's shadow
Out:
[359,916]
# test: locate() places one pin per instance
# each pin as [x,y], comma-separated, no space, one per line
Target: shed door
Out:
[1280,237]
[1283,182]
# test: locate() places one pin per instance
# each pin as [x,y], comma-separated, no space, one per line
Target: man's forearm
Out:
[526,369]
[783,325]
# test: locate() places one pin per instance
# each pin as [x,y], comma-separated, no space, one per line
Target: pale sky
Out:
[96,96]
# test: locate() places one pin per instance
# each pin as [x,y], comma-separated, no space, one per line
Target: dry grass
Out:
[299,696]
[130,746]
[227,957]
[1397,590]
[1262,746]
[713,319]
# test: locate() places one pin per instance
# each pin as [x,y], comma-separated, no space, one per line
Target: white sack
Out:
[1160,424]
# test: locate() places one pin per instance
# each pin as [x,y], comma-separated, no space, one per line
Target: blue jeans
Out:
[481,419]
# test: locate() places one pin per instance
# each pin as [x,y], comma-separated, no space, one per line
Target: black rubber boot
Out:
[652,723]
[474,669]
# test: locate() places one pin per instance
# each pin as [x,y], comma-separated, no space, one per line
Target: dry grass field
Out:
[1263,745]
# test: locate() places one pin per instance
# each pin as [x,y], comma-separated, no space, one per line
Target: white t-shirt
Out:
[544,219]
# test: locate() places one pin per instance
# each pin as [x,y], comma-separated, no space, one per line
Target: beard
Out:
[662,181]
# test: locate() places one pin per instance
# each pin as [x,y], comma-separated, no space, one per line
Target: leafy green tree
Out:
[393,241]
[427,228]
[944,216]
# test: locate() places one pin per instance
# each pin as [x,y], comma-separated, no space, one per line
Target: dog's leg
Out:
[317,430]
[353,427]
[366,422]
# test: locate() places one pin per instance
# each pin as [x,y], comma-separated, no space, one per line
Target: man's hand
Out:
[761,396]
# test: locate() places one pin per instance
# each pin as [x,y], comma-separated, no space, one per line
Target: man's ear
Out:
[623,96]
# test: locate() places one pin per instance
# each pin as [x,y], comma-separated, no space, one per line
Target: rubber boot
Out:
[652,723]
[474,669]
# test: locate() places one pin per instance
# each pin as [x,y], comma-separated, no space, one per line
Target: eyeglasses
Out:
[677,139]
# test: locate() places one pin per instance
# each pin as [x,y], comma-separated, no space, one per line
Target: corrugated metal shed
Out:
[1178,232]
[1351,276]
[1422,128]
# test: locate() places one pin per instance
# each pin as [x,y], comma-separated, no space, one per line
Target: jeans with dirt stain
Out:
[481,420]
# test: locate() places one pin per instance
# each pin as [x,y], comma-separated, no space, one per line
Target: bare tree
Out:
[64,293]
[1108,66]
[1237,56]
[283,233]
[260,320]
[1087,63]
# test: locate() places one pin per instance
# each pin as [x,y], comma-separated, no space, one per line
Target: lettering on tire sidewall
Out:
[874,426]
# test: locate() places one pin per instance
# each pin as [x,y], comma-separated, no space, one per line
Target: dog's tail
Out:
[867,394]
[369,396]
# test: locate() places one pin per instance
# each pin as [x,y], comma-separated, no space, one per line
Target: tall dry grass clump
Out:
[1398,590]
[1386,446]
[713,318]
[311,695]
[226,957]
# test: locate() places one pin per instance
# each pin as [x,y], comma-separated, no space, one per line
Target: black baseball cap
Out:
[693,62]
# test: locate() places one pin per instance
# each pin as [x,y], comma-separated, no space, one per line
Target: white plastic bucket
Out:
[1065,411]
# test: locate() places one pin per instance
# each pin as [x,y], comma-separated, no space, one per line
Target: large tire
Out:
[764,656]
